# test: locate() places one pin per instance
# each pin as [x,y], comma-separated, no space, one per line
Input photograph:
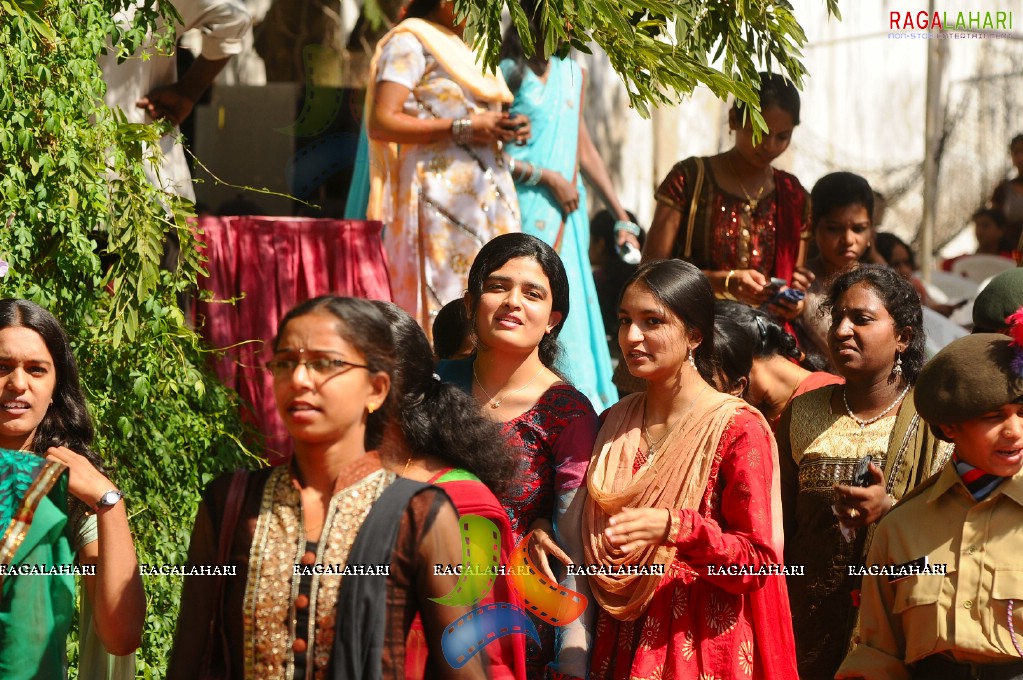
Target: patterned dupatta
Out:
[279,543]
[792,226]
[35,611]
[25,480]
[914,454]
[459,61]
[676,478]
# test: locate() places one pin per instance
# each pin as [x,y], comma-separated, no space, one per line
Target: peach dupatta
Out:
[676,478]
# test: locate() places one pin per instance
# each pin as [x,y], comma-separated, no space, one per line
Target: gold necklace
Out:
[494,402]
[751,202]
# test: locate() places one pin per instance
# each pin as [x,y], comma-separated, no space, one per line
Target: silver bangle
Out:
[534,177]
[461,131]
[511,168]
[630,227]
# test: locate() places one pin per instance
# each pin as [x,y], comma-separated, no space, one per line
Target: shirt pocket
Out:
[916,605]
[1007,585]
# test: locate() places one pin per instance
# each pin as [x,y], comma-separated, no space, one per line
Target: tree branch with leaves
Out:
[662,49]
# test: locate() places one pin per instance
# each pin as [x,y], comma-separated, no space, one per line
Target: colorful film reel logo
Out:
[481,553]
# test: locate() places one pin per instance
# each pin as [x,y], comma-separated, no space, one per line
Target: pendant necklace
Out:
[751,202]
[652,448]
[745,218]
[494,402]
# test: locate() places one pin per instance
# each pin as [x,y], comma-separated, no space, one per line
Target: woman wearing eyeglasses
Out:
[334,555]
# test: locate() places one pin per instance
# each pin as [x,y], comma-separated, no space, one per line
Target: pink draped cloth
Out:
[272,264]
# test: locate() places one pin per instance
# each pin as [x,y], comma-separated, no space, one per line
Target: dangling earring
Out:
[691,359]
[897,369]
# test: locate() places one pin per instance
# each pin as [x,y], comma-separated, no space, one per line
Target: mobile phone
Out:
[775,284]
[628,253]
[862,476]
[792,295]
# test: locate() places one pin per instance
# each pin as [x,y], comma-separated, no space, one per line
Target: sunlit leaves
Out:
[662,50]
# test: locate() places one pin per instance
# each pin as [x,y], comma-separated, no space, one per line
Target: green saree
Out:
[35,609]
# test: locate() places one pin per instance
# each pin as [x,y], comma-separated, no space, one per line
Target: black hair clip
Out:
[761,328]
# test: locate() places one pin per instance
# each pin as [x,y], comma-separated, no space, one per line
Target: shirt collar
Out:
[948,478]
[1013,488]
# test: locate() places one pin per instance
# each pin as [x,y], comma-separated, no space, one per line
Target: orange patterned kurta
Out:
[701,626]
[447,200]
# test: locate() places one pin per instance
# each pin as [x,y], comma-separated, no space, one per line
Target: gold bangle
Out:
[728,280]
[674,524]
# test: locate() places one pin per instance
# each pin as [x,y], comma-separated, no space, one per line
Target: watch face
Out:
[110,498]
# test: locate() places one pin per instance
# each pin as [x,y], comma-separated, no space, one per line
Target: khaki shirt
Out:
[963,612]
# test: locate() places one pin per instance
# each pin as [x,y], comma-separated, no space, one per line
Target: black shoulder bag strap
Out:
[360,623]
[216,663]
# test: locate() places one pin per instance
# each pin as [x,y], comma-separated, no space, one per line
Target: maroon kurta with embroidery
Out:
[775,227]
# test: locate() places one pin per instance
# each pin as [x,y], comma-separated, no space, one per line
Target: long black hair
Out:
[733,351]
[506,247]
[898,297]
[362,325]
[775,90]
[769,339]
[440,419]
[511,48]
[67,422]
[685,291]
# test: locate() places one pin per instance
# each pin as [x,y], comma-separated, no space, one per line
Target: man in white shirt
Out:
[150,89]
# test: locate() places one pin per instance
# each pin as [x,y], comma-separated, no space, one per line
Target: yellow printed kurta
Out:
[445,200]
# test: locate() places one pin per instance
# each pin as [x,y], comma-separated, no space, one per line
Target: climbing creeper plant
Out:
[82,231]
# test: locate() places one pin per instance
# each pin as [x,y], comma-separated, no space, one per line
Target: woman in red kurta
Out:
[683,479]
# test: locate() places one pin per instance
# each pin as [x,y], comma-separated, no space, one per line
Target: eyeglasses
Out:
[320,368]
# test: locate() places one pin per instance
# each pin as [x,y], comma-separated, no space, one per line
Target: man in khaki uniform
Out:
[943,596]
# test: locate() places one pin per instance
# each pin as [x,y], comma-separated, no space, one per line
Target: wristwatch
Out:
[109,499]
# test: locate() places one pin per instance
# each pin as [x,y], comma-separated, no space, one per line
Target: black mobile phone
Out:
[862,476]
[775,284]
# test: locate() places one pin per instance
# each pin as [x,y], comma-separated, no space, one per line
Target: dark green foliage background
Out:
[72,189]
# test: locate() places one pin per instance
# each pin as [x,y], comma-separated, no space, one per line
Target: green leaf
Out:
[141,387]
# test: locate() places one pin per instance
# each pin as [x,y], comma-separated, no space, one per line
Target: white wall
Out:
[863,111]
